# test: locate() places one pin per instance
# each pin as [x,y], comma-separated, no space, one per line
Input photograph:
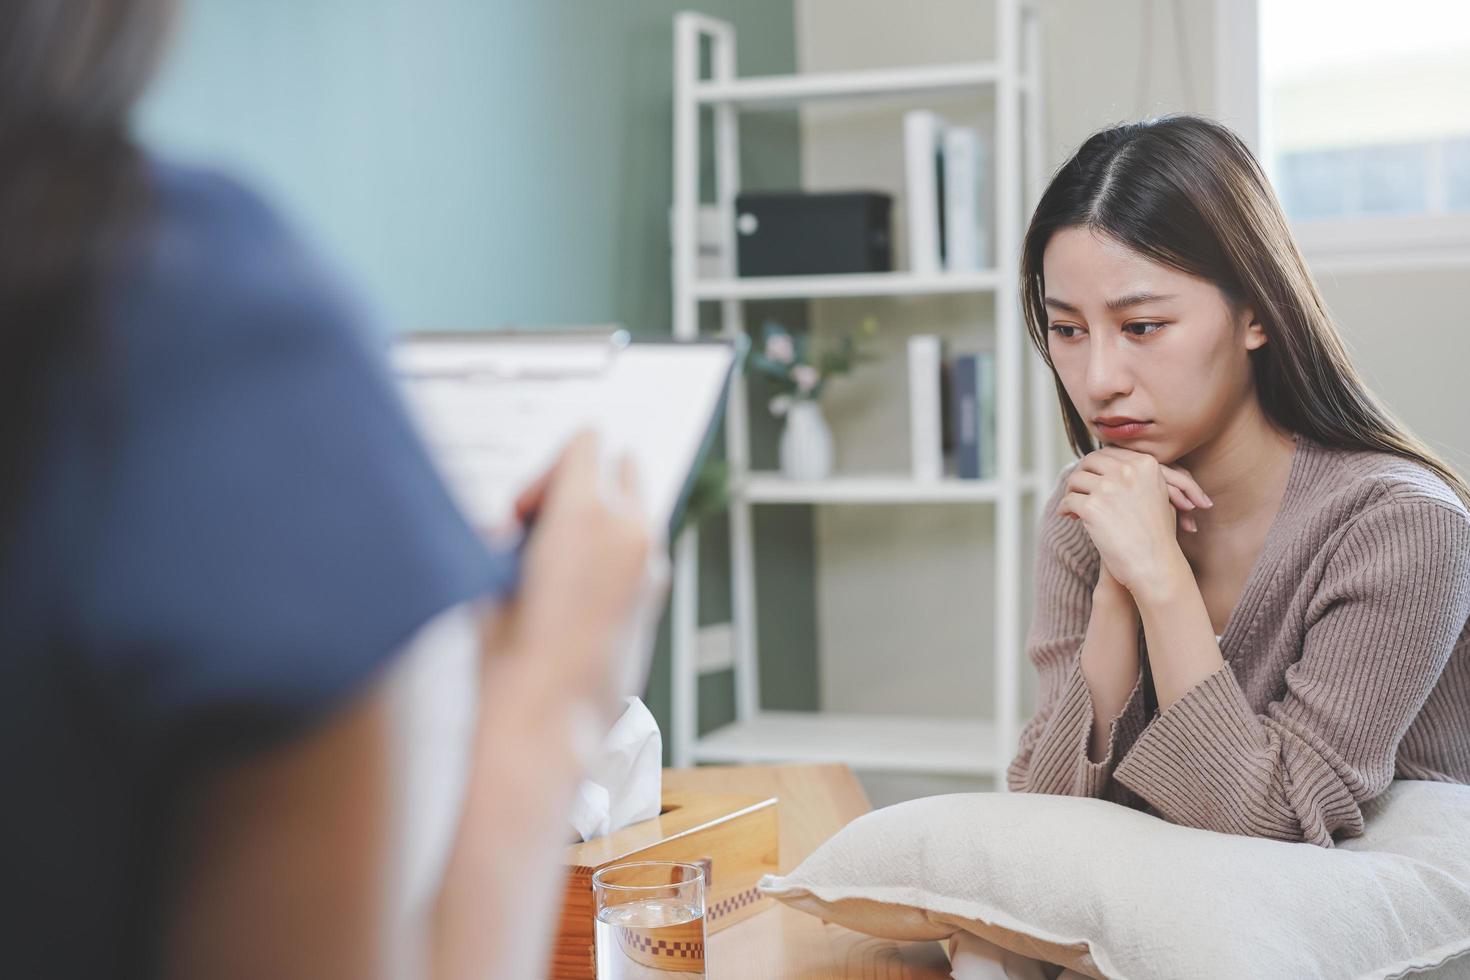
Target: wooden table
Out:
[816,802]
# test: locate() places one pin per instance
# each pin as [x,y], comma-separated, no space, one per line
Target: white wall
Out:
[1408,330]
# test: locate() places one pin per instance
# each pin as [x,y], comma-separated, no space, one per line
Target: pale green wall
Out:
[471,162]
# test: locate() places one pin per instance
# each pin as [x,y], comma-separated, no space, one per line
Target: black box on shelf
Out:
[793,233]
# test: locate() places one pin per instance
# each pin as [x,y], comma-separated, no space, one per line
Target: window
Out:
[1360,113]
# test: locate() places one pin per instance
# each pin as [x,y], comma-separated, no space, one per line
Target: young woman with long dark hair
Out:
[218,532]
[1253,587]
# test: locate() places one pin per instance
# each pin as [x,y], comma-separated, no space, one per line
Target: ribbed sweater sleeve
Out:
[1379,629]
[1052,755]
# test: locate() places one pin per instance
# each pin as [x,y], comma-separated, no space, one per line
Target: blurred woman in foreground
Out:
[217,532]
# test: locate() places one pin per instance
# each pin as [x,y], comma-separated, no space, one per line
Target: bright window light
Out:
[1366,106]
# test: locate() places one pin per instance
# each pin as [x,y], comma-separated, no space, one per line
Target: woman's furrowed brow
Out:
[1114,305]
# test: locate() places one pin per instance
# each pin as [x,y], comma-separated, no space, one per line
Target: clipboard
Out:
[496,409]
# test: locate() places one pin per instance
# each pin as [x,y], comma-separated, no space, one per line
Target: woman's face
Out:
[1134,339]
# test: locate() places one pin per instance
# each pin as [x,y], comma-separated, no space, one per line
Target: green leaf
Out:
[709,496]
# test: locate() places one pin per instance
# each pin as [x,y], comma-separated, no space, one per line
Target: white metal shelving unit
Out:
[882,743]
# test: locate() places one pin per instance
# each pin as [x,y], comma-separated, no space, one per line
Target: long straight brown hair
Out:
[1186,192]
[71,181]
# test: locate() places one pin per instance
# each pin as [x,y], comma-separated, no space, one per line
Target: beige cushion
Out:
[1113,892]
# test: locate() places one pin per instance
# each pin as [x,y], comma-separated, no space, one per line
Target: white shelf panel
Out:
[888,743]
[851,284]
[776,489]
[785,91]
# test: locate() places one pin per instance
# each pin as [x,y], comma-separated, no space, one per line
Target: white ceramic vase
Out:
[806,443]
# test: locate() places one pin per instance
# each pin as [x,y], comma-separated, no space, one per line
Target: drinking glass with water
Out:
[650,920]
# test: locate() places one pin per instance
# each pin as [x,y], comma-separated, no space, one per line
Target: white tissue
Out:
[625,781]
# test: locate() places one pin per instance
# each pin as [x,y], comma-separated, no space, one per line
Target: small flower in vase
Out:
[800,369]
[802,373]
[779,347]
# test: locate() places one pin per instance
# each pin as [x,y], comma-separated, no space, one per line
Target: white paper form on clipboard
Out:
[496,409]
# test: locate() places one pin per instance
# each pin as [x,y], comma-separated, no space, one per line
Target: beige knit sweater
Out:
[1347,663]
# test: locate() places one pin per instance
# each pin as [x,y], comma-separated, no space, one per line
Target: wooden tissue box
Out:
[734,837]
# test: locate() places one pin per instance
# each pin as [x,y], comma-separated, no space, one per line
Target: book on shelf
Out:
[973,410]
[926,434]
[964,412]
[945,173]
[963,237]
[922,130]
[948,420]
[951,411]
[987,402]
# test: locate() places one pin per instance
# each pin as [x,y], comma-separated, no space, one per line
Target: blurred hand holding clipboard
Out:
[496,410]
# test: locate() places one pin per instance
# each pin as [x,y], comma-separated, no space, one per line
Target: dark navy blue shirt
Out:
[233,527]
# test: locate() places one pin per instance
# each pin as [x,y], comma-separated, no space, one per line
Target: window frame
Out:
[1333,244]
